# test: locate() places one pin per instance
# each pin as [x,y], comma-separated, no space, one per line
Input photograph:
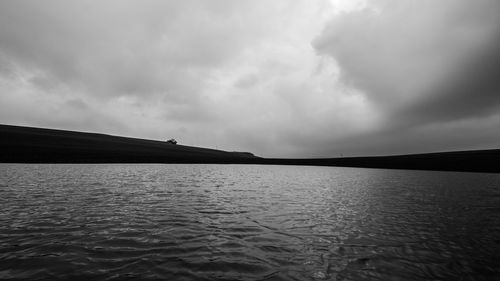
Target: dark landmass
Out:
[37,145]
[465,161]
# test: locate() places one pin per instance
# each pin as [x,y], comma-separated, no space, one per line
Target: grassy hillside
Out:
[36,145]
[467,161]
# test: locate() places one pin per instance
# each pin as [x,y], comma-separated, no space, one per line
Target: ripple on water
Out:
[239,222]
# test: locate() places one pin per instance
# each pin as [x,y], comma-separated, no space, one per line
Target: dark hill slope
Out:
[36,145]
[467,161]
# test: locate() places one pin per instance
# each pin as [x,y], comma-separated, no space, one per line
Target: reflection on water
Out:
[244,222]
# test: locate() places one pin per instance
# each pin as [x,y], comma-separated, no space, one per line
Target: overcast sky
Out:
[292,78]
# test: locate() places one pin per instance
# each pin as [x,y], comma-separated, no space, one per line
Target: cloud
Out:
[120,48]
[421,64]
[420,61]
[238,75]
[278,78]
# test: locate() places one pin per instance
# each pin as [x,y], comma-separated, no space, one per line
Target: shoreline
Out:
[38,145]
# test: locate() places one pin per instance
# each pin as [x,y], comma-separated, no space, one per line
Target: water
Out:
[244,222]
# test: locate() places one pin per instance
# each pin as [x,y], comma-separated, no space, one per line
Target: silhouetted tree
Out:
[171,141]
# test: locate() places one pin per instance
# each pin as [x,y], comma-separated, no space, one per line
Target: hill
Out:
[466,161]
[37,145]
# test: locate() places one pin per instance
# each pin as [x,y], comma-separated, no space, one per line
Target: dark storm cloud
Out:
[426,66]
[472,90]
[421,61]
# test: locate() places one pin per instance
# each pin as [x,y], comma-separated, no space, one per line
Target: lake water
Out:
[246,222]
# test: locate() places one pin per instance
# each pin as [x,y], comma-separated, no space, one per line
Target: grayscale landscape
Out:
[250,140]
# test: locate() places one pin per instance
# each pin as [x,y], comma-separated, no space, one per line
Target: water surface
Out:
[245,222]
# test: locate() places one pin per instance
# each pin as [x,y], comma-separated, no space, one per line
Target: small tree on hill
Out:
[171,141]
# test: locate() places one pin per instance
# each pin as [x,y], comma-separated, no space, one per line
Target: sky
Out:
[281,78]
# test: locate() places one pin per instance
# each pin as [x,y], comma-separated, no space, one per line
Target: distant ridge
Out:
[465,161]
[37,145]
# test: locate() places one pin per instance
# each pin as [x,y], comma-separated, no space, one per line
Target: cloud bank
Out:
[278,78]
[428,66]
